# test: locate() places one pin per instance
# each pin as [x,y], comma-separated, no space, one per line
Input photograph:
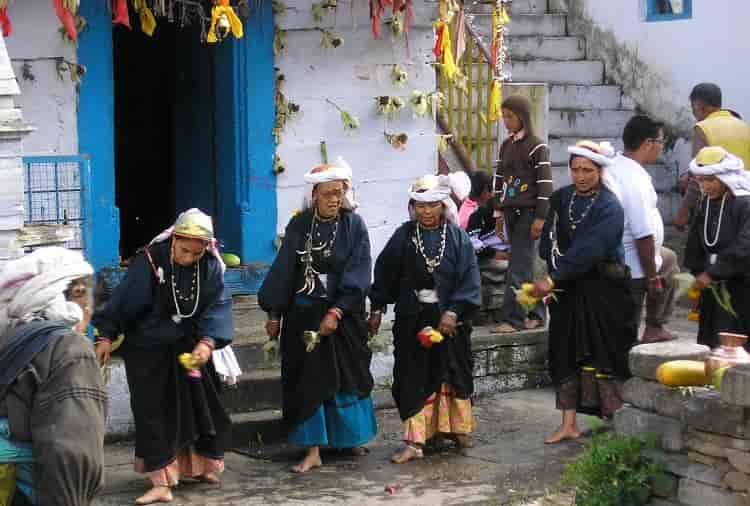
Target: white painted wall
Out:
[49,103]
[712,46]
[352,76]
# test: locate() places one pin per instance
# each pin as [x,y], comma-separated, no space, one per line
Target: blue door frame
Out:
[244,142]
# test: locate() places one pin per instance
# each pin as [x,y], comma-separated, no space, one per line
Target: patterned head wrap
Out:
[326,173]
[602,154]
[718,162]
[431,188]
[193,224]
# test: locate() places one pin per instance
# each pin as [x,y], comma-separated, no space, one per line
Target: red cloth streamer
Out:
[67,20]
[376,13]
[438,49]
[120,13]
[5,22]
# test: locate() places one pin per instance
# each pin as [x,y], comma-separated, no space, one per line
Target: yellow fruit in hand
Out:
[436,337]
[187,361]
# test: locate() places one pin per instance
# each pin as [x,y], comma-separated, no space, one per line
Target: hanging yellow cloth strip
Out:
[223,21]
[148,21]
[444,50]
[496,98]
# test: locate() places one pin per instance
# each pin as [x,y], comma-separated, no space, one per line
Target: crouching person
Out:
[52,400]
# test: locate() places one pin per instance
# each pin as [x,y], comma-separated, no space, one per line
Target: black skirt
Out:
[592,324]
[714,319]
[419,372]
[173,412]
[340,363]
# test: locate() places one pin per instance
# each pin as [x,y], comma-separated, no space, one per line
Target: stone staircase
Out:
[582,104]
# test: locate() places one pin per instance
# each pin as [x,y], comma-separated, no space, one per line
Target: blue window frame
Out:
[668,10]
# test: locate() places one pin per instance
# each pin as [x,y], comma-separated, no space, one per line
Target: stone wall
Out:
[704,434]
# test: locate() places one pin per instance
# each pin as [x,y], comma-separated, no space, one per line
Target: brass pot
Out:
[730,352]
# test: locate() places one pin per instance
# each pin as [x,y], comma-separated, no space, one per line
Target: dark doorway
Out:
[144,86]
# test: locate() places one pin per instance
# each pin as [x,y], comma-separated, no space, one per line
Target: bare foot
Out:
[408,453]
[656,335]
[563,434]
[156,494]
[532,324]
[211,478]
[504,328]
[309,462]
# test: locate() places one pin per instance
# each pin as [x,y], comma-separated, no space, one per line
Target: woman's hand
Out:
[373,322]
[448,322]
[536,229]
[103,350]
[328,325]
[703,280]
[273,328]
[542,288]
[201,354]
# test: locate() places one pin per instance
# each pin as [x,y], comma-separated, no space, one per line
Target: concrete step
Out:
[255,391]
[558,147]
[550,25]
[599,123]
[558,72]
[576,96]
[535,47]
[257,427]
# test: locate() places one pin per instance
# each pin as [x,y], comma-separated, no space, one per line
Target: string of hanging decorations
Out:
[217,18]
[499,55]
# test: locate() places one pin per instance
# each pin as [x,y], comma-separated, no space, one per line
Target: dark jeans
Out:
[523,251]
[659,309]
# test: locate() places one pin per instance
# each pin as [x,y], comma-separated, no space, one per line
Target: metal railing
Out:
[57,191]
[465,116]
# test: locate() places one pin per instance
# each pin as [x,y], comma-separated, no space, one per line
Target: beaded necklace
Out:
[573,222]
[432,263]
[310,274]
[711,244]
[195,293]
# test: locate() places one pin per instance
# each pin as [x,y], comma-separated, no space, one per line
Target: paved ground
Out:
[509,464]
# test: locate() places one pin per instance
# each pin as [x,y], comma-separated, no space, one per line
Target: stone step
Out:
[550,25]
[256,427]
[558,72]
[535,47]
[581,97]
[255,391]
[599,123]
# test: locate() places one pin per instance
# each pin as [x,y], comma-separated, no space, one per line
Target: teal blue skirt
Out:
[343,422]
[21,455]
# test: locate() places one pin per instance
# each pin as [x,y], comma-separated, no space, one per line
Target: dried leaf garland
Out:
[330,40]
[279,42]
[419,103]
[389,106]
[285,110]
[398,141]
[278,7]
[278,165]
[442,142]
[399,77]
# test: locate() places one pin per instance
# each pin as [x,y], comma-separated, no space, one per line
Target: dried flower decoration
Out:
[389,106]
[419,102]
[278,165]
[397,25]
[279,42]
[350,122]
[442,142]
[398,141]
[278,7]
[330,40]
[399,76]
[319,9]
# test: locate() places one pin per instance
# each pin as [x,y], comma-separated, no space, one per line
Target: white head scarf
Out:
[431,188]
[33,285]
[716,161]
[194,224]
[325,173]
[460,184]
[603,155]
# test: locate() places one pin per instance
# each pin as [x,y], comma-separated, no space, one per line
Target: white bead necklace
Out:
[711,244]
[177,318]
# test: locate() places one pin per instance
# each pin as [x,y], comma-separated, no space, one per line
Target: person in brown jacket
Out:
[52,397]
[523,185]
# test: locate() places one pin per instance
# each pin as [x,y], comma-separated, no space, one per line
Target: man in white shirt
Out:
[652,266]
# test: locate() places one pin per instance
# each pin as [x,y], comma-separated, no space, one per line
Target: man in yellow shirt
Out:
[715,127]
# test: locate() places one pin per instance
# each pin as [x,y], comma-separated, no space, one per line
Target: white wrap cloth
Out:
[33,285]
[716,161]
[603,155]
[432,188]
[326,173]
